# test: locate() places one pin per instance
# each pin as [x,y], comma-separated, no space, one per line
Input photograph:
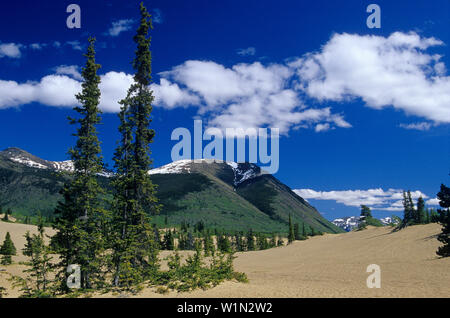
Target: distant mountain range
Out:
[224,195]
[349,223]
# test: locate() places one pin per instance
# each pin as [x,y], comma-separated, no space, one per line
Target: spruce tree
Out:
[291,235]
[7,250]
[135,254]
[420,214]
[7,214]
[80,218]
[250,241]
[444,220]
[169,241]
[408,208]
[208,243]
[40,264]
[296,232]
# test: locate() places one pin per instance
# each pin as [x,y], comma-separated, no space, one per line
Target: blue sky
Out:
[363,113]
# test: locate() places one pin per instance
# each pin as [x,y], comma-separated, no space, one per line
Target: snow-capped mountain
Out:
[29,160]
[241,171]
[347,223]
[229,195]
[388,220]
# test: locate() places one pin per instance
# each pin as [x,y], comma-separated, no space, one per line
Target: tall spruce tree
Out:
[80,218]
[135,254]
[444,220]
[409,214]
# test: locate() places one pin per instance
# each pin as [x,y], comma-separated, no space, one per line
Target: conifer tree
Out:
[169,241]
[208,243]
[40,264]
[80,217]
[135,254]
[420,214]
[7,250]
[296,232]
[409,214]
[444,220]
[291,235]
[7,214]
[250,241]
[238,246]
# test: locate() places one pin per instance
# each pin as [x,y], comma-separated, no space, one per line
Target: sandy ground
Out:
[323,266]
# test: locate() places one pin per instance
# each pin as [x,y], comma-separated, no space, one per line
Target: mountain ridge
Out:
[226,195]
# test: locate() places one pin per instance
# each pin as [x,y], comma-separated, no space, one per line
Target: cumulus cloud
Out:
[71,70]
[171,95]
[250,51]
[120,26]
[242,96]
[434,201]
[377,199]
[59,90]
[382,71]
[11,50]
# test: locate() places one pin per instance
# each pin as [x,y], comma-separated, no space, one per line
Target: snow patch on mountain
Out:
[180,166]
[347,223]
[243,171]
[27,162]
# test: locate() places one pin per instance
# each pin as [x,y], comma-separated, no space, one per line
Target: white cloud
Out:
[11,50]
[59,90]
[322,127]
[250,51]
[377,199]
[170,95]
[120,26]
[434,201]
[242,96]
[417,126]
[71,70]
[114,87]
[382,71]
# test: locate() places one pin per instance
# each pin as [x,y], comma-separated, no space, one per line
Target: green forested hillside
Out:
[208,192]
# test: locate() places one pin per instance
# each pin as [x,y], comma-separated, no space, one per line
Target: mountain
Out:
[349,223]
[224,195]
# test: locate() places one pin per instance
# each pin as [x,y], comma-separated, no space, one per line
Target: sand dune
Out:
[329,266]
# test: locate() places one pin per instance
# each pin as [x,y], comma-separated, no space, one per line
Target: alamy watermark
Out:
[374,279]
